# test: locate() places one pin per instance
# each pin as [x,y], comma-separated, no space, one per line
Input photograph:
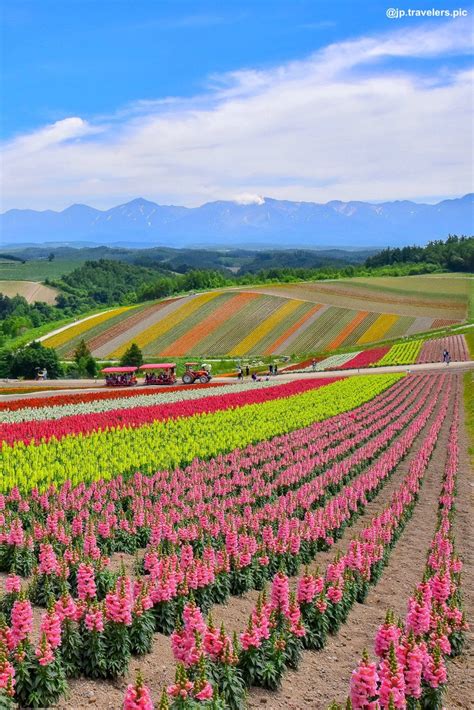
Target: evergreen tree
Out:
[90,366]
[82,352]
[132,356]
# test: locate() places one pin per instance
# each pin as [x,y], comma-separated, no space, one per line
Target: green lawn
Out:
[36,270]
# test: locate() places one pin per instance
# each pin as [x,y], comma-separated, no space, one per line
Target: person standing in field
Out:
[240,374]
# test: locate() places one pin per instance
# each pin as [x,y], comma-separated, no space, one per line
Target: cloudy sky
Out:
[187,102]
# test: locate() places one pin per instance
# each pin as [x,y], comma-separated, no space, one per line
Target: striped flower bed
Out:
[140,442]
[80,424]
[78,329]
[402,354]
[432,350]
[366,358]
[334,362]
[379,328]
[148,337]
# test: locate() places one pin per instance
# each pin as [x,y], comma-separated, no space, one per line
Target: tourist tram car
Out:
[120,376]
[163,373]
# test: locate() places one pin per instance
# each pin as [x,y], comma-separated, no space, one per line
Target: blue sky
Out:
[178,101]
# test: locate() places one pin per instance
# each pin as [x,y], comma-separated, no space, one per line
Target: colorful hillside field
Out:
[271,320]
[300,500]
[415,296]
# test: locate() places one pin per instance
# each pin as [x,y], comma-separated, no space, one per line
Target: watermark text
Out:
[396,13]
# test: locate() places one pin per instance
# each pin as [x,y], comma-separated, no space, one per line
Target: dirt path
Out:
[324,676]
[75,386]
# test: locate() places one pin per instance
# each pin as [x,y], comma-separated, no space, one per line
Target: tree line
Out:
[453,254]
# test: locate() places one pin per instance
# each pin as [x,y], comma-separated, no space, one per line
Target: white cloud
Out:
[248,198]
[53,134]
[341,124]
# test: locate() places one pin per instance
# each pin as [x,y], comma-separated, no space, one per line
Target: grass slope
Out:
[36,269]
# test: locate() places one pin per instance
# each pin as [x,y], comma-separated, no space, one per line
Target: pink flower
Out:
[306,589]
[418,616]
[13,584]
[138,697]
[386,634]
[44,652]
[7,675]
[118,608]
[280,594]
[321,604]
[193,619]
[51,627]
[435,669]
[86,588]
[212,642]
[413,671]
[48,561]
[205,693]
[22,620]
[251,638]
[94,619]
[392,682]
[66,608]
[334,594]
[363,689]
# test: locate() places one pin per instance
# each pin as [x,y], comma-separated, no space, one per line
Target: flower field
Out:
[405,353]
[456,345]
[199,547]
[257,321]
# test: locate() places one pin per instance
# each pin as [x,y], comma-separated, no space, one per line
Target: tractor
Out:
[195,373]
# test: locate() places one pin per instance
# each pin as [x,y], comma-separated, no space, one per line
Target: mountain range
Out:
[266,222]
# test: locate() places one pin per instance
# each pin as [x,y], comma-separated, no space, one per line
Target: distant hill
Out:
[268,223]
